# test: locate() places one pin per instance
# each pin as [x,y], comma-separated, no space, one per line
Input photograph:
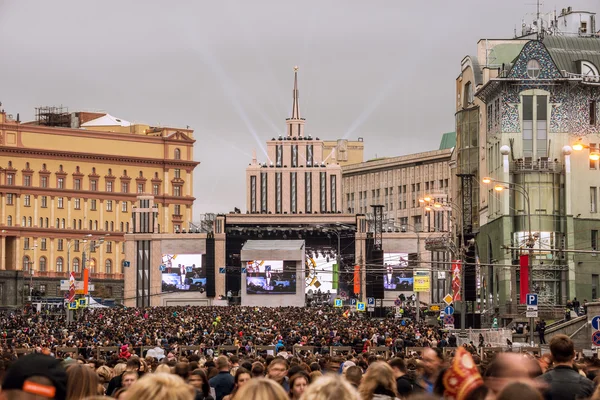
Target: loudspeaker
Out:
[375,274]
[470,273]
[209,267]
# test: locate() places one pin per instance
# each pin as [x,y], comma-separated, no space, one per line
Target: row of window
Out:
[62,224]
[75,245]
[60,266]
[60,202]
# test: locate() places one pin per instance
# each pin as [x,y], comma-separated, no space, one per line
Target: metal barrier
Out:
[183,349]
[265,349]
[339,350]
[298,349]
[418,350]
[490,352]
[65,350]
[381,350]
[23,352]
[110,349]
[228,349]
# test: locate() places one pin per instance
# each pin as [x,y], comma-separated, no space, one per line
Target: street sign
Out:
[596,322]
[531,314]
[448,299]
[126,263]
[243,270]
[448,320]
[532,308]
[442,314]
[532,299]
[434,307]
[360,306]
[596,338]
[449,310]
[338,303]
[370,308]
[221,270]
[397,302]
[449,326]
[371,301]
[352,302]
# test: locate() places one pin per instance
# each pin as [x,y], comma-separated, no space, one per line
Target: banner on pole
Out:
[71,296]
[456,270]
[524,278]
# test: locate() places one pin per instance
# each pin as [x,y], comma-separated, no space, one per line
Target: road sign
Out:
[371,301]
[532,308]
[449,310]
[243,270]
[352,302]
[360,306]
[449,320]
[338,303]
[531,314]
[434,307]
[370,308]
[126,263]
[397,302]
[448,299]
[221,270]
[596,338]
[596,322]
[532,299]
[442,314]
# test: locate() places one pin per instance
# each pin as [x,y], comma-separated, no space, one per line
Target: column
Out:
[18,254]
[3,249]
[188,183]
[52,220]
[117,212]
[2,202]
[101,222]
[188,211]
[69,221]
[18,210]
[85,214]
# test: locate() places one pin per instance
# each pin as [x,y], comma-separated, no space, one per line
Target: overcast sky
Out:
[383,70]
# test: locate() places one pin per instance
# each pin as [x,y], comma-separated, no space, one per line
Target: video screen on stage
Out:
[397,276]
[269,277]
[183,272]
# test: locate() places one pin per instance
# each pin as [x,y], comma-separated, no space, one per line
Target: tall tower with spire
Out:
[295,124]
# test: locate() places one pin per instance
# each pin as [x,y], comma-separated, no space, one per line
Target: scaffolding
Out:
[53,116]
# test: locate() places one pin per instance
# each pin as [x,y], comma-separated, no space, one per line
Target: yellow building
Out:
[68,183]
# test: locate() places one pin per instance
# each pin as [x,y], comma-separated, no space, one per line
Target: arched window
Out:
[43,167]
[47,220]
[177,154]
[109,171]
[108,267]
[533,69]
[112,226]
[26,263]
[42,263]
[79,225]
[62,223]
[74,224]
[105,225]
[76,265]
[23,221]
[41,222]
[59,264]
[92,266]
[141,174]
[91,222]
[26,165]
[122,226]
[124,172]
[127,227]
[96,225]
[29,221]
[9,220]
[57,223]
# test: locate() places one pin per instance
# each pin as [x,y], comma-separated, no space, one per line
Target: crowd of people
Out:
[153,360]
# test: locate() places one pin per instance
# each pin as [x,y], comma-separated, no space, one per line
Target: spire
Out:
[296,105]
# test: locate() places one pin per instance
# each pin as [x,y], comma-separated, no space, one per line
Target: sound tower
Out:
[375,274]
[469,271]
[209,266]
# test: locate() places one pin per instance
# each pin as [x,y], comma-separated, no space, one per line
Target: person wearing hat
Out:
[33,377]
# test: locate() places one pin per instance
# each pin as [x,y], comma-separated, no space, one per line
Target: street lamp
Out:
[500,186]
[594,152]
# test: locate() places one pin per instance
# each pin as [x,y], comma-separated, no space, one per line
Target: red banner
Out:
[524,277]
[71,287]
[456,268]
[86,278]
[356,279]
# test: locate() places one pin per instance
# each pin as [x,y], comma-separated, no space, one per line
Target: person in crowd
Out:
[82,382]
[432,362]
[261,389]
[133,364]
[298,384]
[242,375]
[378,383]
[129,378]
[354,376]
[199,381]
[564,383]
[223,382]
[507,368]
[404,385]
[330,387]
[277,371]
[519,390]
[160,387]
[35,376]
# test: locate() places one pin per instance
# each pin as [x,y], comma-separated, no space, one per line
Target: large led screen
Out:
[397,276]
[183,272]
[269,277]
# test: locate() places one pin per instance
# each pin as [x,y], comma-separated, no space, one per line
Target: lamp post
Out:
[30,264]
[90,246]
[500,186]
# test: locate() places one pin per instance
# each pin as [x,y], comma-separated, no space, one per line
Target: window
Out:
[593,108]
[294,155]
[59,244]
[278,194]
[177,191]
[26,263]
[60,201]
[293,193]
[26,243]
[177,154]
[59,265]
[105,225]
[177,209]
[27,200]
[535,116]
[9,199]
[108,267]
[594,239]
[140,188]
[323,191]
[76,245]
[253,193]
[109,205]
[308,192]
[177,173]
[94,185]
[44,201]
[29,221]
[123,206]
[42,263]
[93,204]
[62,224]
[533,69]
[77,184]
[9,220]
[155,189]
[122,228]
[60,183]
[27,180]
[468,95]
[124,187]
[593,199]
[43,244]
[109,186]
[93,244]
[42,287]
[44,181]
[109,247]
[77,204]
[10,179]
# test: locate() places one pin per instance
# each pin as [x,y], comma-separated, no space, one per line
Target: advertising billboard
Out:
[269,277]
[183,272]
[397,275]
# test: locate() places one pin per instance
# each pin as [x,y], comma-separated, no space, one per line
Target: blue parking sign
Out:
[352,302]
[338,303]
[371,301]
[360,306]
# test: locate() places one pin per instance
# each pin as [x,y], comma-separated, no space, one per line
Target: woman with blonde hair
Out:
[163,369]
[261,389]
[378,383]
[330,387]
[82,382]
[160,386]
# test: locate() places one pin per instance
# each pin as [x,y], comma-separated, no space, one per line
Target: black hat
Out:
[37,365]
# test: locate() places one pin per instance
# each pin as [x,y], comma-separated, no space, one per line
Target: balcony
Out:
[101,275]
[50,274]
[527,164]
